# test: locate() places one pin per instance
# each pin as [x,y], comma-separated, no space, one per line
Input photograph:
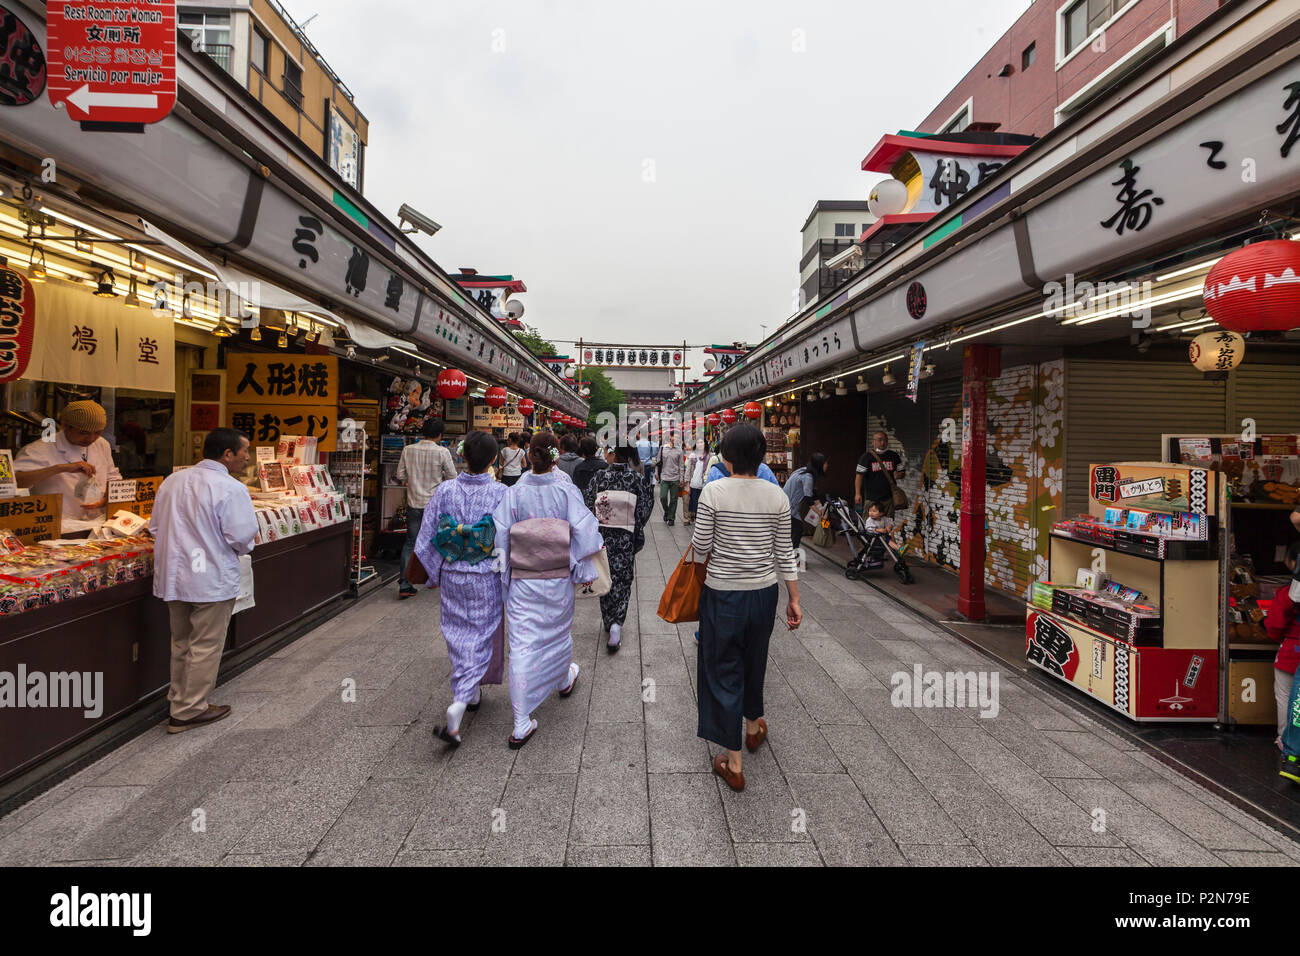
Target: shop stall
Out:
[1130,613]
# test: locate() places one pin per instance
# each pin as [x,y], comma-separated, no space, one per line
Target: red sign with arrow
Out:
[112,61]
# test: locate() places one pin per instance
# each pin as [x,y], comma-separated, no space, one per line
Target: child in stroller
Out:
[870,541]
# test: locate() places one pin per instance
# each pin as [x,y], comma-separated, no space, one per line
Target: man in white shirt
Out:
[77,452]
[202,521]
[423,467]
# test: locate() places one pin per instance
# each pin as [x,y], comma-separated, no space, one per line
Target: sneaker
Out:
[406,592]
[1290,767]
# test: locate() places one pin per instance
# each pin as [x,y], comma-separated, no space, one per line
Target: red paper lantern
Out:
[753,410]
[729,416]
[526,406]
[557,417]
[495,396]
[1256,288]
[451,383]
[713,419]
[18,306]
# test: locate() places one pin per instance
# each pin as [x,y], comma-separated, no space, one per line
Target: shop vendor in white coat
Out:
[78,451]
[202,521]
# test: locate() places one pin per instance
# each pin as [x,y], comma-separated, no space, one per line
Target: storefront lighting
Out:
[841,388]
[351,352]
[36,264]
[812,395]
[104,282]
[284,340]
[862,385]
[1187,270]
[132,300]
[888,377]
[1173,296]
[223,330]
[187,312]
[255,334]
[81,241]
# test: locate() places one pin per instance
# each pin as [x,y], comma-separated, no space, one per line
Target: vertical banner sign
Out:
[112,61]
[17,318]
[914,370]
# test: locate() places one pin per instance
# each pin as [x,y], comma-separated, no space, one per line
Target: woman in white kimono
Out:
[547,537]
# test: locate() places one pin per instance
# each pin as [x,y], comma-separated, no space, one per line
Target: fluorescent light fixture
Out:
[1186,270]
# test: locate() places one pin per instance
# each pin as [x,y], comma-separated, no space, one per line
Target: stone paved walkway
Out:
[616,774]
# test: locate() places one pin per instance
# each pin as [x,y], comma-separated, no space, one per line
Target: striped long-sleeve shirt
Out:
[743,527]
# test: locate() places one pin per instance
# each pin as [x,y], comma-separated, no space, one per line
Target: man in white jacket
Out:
[202,521]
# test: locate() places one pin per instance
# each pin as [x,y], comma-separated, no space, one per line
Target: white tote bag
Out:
[600,587]
[245,599]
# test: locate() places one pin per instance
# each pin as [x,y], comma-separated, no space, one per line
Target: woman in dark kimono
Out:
[621,498]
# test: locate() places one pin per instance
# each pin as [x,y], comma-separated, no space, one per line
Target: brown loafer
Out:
[754,741]
[736,781]
[214,713]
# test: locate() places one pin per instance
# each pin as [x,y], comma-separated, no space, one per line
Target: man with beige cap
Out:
[76,453]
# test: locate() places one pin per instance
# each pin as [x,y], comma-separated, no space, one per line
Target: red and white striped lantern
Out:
[1256,288]
[495,396]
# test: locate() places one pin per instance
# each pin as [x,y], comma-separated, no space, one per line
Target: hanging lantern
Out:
[526,406]
[713,419]
[729,416]
[495,396]
[1256,288]
[1219,351]
[557,417]
[451,383]
[18,306]
[753,410]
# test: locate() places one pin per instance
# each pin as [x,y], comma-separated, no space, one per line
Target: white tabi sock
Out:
[454,714]
[478,696]
[615,634]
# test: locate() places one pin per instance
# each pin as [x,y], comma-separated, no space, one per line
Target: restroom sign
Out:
[112,61]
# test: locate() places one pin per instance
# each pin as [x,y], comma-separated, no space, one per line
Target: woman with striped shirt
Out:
[742,528]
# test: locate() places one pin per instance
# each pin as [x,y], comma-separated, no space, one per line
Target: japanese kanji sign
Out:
[33,518]
[92,341]
[112,61]
[260,378]
[264,424]
[135,495]
[17,319]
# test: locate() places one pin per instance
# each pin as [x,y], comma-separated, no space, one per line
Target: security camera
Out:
[418,221]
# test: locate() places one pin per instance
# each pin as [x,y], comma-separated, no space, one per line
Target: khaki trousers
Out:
[198,638]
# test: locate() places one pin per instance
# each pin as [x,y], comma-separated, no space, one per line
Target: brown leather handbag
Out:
[415,572]
[680,602]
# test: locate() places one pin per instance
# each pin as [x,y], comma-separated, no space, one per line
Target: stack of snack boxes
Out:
[298,492]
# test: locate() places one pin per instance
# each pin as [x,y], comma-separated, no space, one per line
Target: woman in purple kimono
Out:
[456,549]
[546,537]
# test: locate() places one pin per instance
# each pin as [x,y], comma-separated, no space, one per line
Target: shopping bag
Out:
[600,587]
[415,572]
[244,600]
[680,602]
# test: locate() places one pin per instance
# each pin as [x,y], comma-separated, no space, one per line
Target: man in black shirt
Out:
[871,483]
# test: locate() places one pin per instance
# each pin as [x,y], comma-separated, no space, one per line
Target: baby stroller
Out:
[869,549]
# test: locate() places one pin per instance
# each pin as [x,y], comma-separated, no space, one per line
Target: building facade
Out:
[830,229]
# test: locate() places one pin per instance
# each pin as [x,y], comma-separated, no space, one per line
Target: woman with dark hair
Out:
[743,530]
[455,554]
[800,489]
[511,460]
[590,464]
[547,539]
[622,501]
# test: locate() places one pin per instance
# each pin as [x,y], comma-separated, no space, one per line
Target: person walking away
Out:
[77,464]
[718,469]
[873,479]
[647,452]
[569,457]
[525,439]
[621,500]
[743,530]
[671,465]
[540,560]
[591,463]
[455,547]
[511,460]
[202,521]
[696,467]
[800,489]
[423,466]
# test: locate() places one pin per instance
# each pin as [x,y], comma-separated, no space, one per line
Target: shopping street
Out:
[616,774]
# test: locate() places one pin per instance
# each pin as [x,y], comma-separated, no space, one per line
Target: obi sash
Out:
[539,548]
[616,509]
[470,543]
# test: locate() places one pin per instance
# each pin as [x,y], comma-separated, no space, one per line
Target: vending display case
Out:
[1131,614]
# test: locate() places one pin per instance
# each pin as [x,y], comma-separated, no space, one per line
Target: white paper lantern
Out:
[1217,351]
[887,198]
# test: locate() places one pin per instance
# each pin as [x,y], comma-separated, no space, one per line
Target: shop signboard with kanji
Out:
[112,61]
[32,518]
[269,395]
[135,495]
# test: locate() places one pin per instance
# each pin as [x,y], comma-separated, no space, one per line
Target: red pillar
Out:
[979,364]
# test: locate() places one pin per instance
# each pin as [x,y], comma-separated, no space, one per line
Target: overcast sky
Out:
[644,167]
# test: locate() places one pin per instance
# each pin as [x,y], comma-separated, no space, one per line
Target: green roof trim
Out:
[342,202]
[949,227]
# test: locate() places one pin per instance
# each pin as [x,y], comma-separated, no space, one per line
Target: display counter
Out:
[101,656]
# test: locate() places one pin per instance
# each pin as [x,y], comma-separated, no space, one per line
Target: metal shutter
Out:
[1270,394]
[1117,411]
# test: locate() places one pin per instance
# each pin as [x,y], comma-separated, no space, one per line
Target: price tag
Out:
[121,490]
[265,453]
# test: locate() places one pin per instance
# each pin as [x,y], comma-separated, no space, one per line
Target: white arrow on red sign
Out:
[86,100]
